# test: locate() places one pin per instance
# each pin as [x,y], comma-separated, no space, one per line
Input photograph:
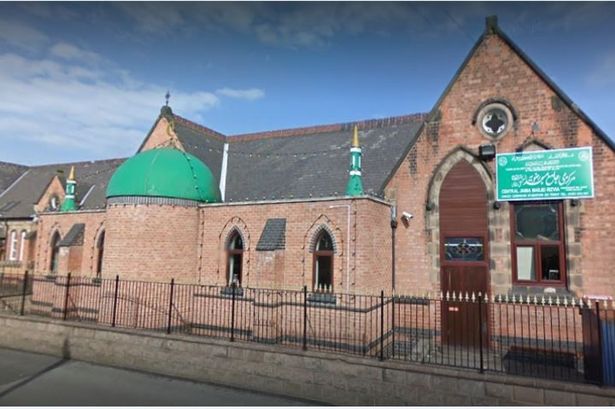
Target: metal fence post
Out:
[393,325]
[233,286]
[305,317]
[382,325]
[66,296]
[117,286]
[480,330]
[23,293]
[170,306]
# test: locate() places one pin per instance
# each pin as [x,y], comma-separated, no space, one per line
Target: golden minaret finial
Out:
[355,138]
[71,175]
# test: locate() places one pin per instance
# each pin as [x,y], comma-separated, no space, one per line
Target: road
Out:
[34,379]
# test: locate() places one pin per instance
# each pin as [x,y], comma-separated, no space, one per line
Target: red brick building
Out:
[427,217]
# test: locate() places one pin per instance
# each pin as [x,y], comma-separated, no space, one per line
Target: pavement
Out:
[30,379]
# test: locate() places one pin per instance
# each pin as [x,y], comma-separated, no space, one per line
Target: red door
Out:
[464,256]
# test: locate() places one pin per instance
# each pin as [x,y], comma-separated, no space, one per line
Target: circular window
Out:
[494,120]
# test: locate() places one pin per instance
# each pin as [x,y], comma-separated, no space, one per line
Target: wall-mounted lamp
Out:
[486,152]
[497,205]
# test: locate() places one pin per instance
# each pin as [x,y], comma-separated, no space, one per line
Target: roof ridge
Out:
[334,127]
[75,163]
[19,165]
[199,127]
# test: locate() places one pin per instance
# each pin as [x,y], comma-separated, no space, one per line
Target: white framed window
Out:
[13,246]
[22,245]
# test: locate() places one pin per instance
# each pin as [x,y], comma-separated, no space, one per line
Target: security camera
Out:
[406,216]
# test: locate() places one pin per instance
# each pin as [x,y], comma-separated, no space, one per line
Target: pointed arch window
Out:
[13,246]
[234,257]
[100,248]
[55,252]
[323,262]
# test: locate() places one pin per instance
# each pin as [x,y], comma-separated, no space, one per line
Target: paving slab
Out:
[35,379]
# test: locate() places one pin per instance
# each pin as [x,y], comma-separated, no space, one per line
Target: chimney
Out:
[492,24]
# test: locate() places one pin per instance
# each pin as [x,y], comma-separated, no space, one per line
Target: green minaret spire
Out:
[68,204]
[355,183]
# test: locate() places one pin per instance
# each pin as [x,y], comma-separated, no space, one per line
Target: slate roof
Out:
[204,143]
[9,172]
[74,237]
[18,201]
[273,236]
[314,162]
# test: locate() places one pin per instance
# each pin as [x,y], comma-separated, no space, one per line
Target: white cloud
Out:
[63,104]
[71,52]
[250,94]
[21,36]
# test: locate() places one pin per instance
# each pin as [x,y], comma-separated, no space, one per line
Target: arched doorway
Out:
[464,251]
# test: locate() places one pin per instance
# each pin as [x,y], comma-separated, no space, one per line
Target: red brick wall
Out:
[74,260]
[370,246]
[151,242]
[496,71]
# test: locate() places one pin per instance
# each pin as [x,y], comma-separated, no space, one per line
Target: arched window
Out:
[55,251]
[13,246]
[22,245]
[323,262]
[234,257]
[100,248]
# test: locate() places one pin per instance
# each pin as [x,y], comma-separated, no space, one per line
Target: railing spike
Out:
[514,298]
[473,296]
[467,297]
[557,301]
[535,300]
[550,301]
[447,296]
[506,297]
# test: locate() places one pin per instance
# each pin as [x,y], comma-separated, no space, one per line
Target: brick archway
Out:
[432,216]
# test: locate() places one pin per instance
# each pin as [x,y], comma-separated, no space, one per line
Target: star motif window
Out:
[494,120]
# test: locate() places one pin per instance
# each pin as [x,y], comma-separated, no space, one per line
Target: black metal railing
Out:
[550,337]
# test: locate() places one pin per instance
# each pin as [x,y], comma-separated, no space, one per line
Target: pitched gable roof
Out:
[313,161]
[92,177]
[202,142]
[9,173]
[492,28]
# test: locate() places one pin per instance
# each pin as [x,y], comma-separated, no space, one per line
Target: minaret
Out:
[355,183]
[68,204]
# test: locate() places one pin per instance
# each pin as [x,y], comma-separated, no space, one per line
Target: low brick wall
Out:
[310,375]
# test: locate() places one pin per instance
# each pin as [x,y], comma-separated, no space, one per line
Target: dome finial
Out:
[355,138]
[166,98]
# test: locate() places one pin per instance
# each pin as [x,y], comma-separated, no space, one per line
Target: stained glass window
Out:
[464,249]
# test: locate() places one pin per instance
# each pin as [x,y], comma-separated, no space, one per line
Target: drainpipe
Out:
[393,230]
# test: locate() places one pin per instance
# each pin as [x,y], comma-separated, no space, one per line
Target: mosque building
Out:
[505,186]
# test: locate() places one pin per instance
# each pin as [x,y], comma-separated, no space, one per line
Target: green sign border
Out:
[497,189]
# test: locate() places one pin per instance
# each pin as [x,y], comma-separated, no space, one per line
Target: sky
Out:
[85,81]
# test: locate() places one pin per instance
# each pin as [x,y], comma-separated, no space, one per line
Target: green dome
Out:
[165,172]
